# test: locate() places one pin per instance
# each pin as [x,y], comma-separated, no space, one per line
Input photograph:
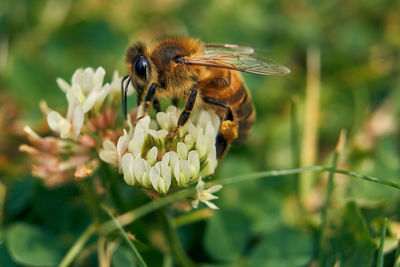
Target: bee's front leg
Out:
[148,100]
[124,91]
[156,105]
[184,117]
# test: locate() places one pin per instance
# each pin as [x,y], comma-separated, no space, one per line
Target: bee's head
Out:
[140,69]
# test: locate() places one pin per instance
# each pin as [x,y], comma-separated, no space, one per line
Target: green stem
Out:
[137,213]
[329,190]
[192,217]
[397,256]
[176,247]
[139,258]
[295,144]
[141,211]
[274,173]
[78,245]
[379,260]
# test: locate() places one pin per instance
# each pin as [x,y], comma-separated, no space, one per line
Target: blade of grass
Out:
[295,147]
[397,256]
[143,210]
[3,191]
[78,245]
[139,257]
[274,173]
[379,260]
[329,190]
[309,147]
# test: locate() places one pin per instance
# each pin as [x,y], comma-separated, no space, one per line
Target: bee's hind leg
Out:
[229,128]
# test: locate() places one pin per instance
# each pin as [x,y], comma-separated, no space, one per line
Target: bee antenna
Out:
[124,92]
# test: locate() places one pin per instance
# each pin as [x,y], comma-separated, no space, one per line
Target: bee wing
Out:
[236,57]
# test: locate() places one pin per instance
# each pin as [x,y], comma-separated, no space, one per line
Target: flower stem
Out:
[192,217]
[175,245]
[78,245]
[139,257]
[141,211]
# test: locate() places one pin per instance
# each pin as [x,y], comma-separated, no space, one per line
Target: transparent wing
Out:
[236,57]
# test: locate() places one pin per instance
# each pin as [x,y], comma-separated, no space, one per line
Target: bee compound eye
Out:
[140,67]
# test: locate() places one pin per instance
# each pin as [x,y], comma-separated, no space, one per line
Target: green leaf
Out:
[123,257]
[226,235]
[5,258]
[20,195]
[33,246]
[283,247]
[349,240]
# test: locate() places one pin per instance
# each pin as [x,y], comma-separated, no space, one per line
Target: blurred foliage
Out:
[260,223]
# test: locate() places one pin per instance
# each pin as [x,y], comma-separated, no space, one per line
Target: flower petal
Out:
[151,156]
[182,150]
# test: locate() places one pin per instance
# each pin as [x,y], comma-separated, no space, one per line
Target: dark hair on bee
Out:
[133,52]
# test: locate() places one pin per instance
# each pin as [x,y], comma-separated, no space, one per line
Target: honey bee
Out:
[206,75]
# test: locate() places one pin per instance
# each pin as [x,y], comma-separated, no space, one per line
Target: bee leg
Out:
[124,91]
[229,129]
[156,105]
[183,118]
[175,101]
[148,100]
[222,145]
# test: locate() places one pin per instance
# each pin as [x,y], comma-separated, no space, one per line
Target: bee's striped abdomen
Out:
[243,111]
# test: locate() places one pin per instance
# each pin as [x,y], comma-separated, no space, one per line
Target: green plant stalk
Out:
[141,211]
[139,257]
[274,173]
[78,245]
[379,259]
[195,216]
[137,213]
[295,147]
[3,191]
[329,190]
[175,244]
[397,256]
[309,146]
[168,260]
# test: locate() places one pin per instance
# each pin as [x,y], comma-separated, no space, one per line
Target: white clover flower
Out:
[68,128]
[86,89]
[153,160]
[205,195]
[113,153]
[85,93]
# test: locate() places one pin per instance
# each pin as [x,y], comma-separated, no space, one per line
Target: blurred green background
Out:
[359,47]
